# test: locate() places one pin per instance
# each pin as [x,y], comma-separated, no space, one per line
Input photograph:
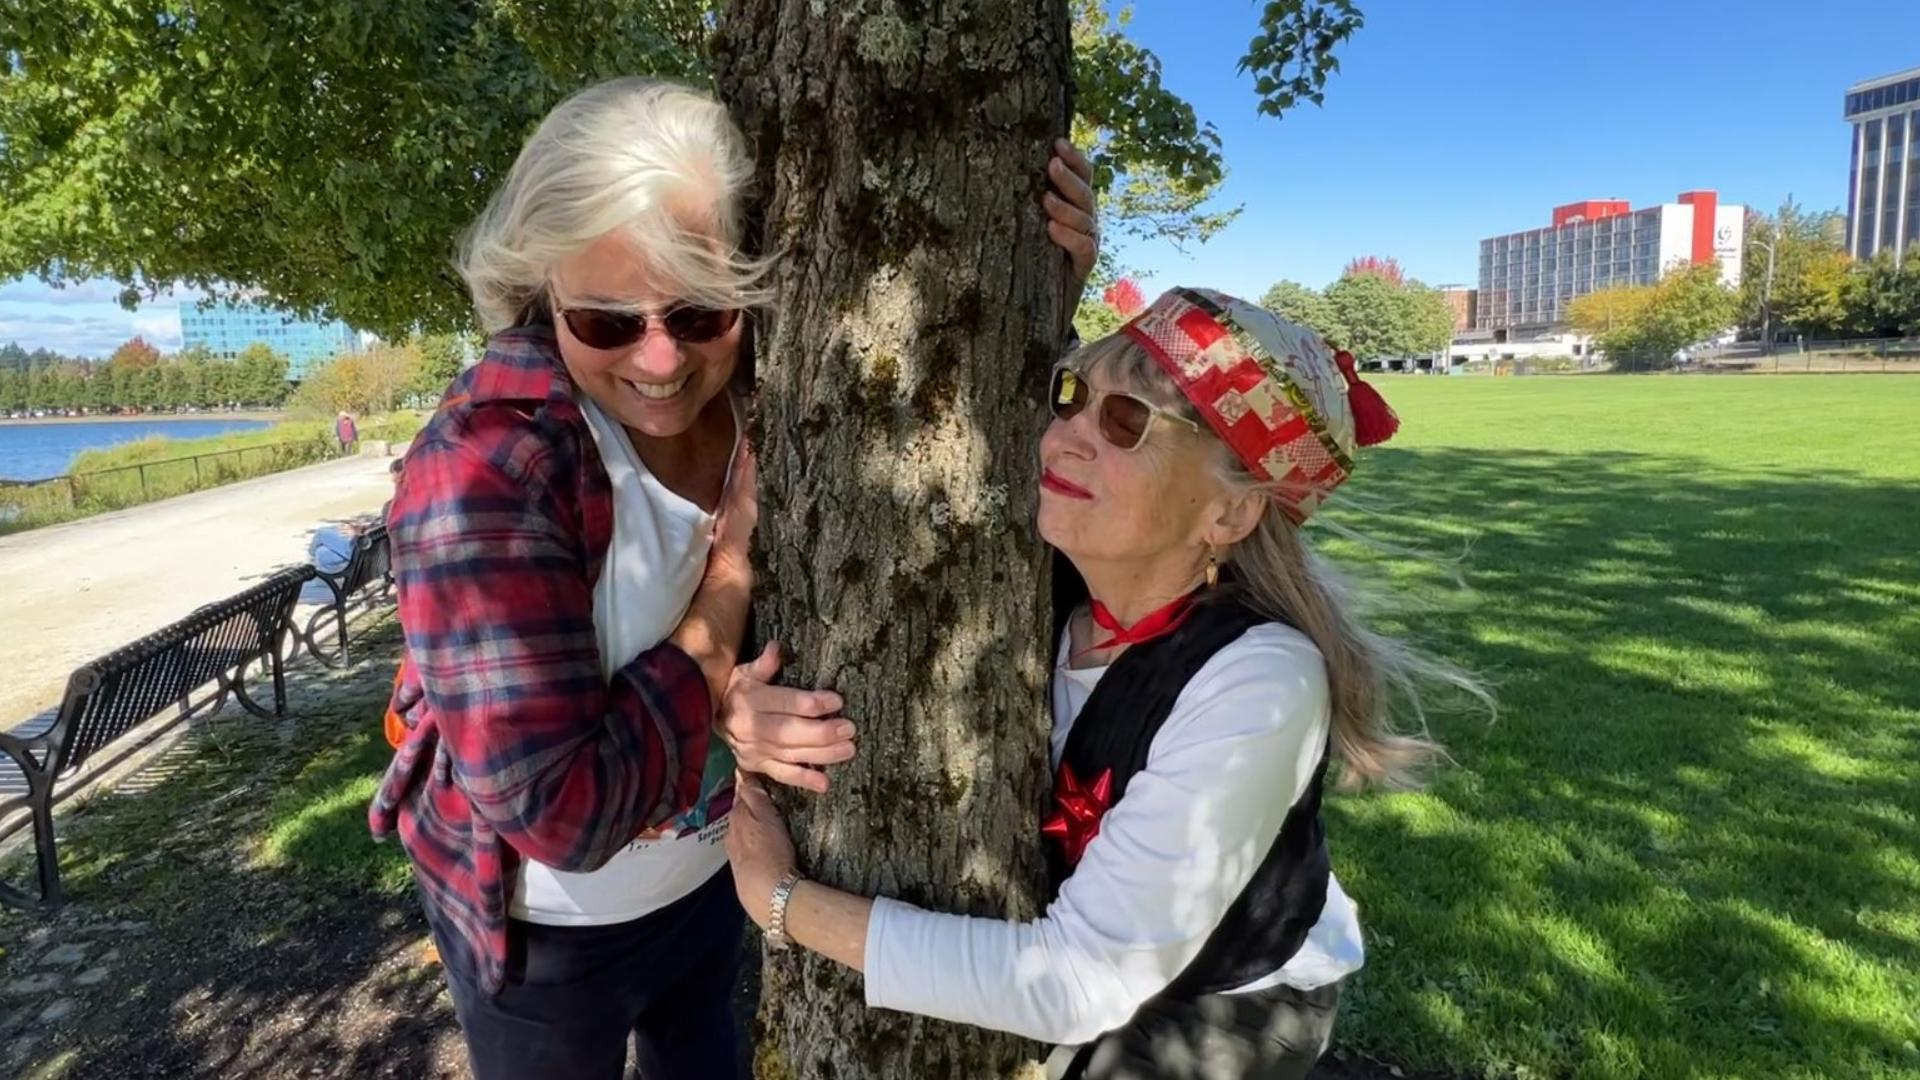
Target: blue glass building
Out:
[226,328]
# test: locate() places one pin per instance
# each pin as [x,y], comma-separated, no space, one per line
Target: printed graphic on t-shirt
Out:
[714,803]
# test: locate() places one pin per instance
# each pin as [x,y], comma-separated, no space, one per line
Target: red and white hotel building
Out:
[1528,279]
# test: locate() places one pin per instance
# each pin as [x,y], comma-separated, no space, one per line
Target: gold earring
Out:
[1213,571]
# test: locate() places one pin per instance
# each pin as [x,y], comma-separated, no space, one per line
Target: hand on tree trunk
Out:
[1071,221]
[819,918]
[758,846]
[780,732]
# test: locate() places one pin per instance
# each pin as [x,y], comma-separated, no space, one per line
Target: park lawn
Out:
[1689,846]
[287,800]
[241,920]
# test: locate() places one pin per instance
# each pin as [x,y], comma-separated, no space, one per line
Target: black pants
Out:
[575,993]
[1273,1034]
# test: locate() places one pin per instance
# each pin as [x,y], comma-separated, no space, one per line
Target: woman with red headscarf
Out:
[1202,692]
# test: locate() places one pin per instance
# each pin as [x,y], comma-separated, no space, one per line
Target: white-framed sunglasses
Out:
[1124,419]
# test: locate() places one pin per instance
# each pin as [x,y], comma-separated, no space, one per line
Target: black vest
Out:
[1267,923]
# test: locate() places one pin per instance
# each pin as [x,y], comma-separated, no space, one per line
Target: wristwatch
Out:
[777,939]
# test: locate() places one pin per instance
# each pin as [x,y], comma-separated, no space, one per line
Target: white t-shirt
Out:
[653,566]
[1237,751]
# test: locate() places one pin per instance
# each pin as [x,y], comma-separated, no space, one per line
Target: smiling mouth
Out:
[659,391]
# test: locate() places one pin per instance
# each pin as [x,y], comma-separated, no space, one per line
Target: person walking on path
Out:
[347,432]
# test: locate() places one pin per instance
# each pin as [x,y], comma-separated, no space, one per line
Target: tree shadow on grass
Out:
[260,932]
[234,918]
[1689,842]
[1690,839]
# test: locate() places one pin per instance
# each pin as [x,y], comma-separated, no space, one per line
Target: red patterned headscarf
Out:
[1292,408]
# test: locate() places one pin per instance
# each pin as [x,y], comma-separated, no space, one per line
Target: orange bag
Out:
[396,725]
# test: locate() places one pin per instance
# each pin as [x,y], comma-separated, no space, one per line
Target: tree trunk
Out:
[901,148]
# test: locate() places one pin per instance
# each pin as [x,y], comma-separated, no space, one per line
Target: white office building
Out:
[1883,185]
[1529,279]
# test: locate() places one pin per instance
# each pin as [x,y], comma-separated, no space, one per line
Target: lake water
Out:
[34,451]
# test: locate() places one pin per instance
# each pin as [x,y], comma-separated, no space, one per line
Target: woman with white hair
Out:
[570,550]
[1210,673]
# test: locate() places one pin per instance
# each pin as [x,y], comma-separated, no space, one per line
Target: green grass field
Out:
[1690,844]
[1689,847]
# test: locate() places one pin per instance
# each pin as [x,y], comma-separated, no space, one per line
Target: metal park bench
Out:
[365,583]
[211,649]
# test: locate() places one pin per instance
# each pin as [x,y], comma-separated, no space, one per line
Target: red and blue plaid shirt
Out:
[518,747]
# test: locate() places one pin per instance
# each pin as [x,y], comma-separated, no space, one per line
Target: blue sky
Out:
[1448,122]
[84,319]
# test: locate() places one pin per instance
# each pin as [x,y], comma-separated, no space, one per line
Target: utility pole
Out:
[1766,291]
[1766,297]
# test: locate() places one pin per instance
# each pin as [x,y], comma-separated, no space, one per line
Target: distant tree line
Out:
[1373,311]
[387,376]
[1819,291]
[136,378]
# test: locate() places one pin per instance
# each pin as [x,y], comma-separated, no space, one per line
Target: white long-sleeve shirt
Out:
[1237,751]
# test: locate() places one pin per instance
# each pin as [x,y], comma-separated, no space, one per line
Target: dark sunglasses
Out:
[601,328]
[1124,418]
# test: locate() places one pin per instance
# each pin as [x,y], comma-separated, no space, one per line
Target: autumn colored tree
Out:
[1125,298]
[1643,327]
[1387,269]
[135,355]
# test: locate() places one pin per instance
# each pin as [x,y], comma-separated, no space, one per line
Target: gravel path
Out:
[69,593]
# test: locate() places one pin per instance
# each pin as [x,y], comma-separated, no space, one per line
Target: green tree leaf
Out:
[323,155]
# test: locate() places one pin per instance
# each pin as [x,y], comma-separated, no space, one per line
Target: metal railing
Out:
[78,485]
[1840,354]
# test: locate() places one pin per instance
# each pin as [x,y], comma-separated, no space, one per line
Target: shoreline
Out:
[143,418]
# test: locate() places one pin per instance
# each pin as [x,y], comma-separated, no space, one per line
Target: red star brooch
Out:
[1077,821]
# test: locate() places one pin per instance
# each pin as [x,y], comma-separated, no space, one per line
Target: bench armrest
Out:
[22,747]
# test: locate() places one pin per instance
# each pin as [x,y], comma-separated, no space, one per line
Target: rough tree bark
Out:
[901,147]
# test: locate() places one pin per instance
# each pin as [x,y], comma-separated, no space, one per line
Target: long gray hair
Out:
[1286,579]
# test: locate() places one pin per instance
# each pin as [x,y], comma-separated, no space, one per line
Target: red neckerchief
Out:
[1157,623]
